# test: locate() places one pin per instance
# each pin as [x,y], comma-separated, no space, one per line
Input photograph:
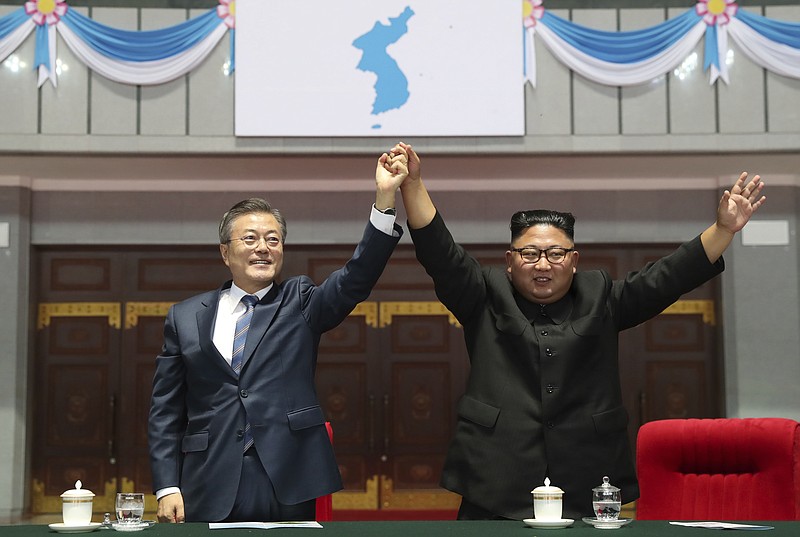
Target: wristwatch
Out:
[389,210]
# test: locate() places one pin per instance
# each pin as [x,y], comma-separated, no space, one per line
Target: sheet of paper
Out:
[263,525]
[722,525]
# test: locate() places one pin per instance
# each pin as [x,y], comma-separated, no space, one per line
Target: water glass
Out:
[130,507]
[606,501]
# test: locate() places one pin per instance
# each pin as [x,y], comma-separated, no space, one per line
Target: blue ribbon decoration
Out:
[142,46]
[524,54]
[786,33]
[622,47]
[232,68]
[710,52]
[617,47]
[12,21]
[41,56]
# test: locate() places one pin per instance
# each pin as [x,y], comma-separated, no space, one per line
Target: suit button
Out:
[551,388]
[544,332]
[550,424]
[243,393]
[548,351]
[239,434]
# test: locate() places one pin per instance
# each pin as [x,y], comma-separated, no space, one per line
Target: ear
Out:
[575,257]
[509,260]
[223,250]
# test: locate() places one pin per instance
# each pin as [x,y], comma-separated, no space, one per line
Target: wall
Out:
[94,162]
[15,316]
[761,316]
[617,199]
[564,113]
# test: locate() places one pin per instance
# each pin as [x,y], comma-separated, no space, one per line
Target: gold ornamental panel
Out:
[134,310]
[103,501]
[48,310]
[417,499]
[392,309]
[367,500]
[369,310]
[694,307]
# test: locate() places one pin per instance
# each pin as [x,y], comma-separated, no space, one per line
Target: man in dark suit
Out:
[236,431]
[543,397]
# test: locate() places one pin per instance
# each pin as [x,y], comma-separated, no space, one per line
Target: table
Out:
[637,528]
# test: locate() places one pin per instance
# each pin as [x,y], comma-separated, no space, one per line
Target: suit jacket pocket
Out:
[195,442]
[611,420]
[477,411]
[305,418]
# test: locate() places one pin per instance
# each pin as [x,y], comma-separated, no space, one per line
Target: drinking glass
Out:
[130,507]
[606,501]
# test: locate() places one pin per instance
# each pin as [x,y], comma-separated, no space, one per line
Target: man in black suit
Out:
[543,397]
[236,431]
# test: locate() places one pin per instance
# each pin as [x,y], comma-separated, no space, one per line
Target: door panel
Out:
[95,349]
[388,377]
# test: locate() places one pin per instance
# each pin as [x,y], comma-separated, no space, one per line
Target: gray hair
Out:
[248,206]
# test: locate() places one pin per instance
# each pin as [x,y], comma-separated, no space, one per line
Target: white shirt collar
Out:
[236,293]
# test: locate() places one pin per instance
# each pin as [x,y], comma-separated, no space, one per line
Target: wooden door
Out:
[100,323]
[388,377]
[671,365]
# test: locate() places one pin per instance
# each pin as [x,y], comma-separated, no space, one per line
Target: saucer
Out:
[606,524]
[60,527]
[143,525]
[544,524]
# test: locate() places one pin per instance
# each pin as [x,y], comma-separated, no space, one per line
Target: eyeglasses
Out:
[554,254]
[252,241]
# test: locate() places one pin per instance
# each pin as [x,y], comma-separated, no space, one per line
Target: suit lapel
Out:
[263,314]
[206,317]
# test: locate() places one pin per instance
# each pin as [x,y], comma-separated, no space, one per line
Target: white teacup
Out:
[547,502]
[76,506]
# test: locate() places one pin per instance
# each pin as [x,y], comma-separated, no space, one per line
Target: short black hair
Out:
[522,220]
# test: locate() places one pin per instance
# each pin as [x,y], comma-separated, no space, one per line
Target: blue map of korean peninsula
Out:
[391,87]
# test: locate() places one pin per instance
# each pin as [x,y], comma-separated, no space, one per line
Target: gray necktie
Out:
[239,339]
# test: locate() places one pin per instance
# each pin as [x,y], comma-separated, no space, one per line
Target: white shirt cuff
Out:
[168,490]
[383,222]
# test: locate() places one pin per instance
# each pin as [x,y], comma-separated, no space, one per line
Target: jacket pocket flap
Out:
[195,442]
[477,411]
[610,420]
[305,418]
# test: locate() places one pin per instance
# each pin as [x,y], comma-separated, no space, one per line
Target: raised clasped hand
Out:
[391,171]
[412,160]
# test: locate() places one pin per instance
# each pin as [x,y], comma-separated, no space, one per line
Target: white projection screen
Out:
[379,68]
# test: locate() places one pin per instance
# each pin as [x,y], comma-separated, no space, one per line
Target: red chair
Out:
[719,469]
[325,503]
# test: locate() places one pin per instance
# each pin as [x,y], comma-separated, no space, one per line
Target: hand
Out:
[391,171]
[170,508]
[739,203]
[414,168]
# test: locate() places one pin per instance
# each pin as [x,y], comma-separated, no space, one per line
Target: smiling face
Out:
[253,268]
[541,282]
